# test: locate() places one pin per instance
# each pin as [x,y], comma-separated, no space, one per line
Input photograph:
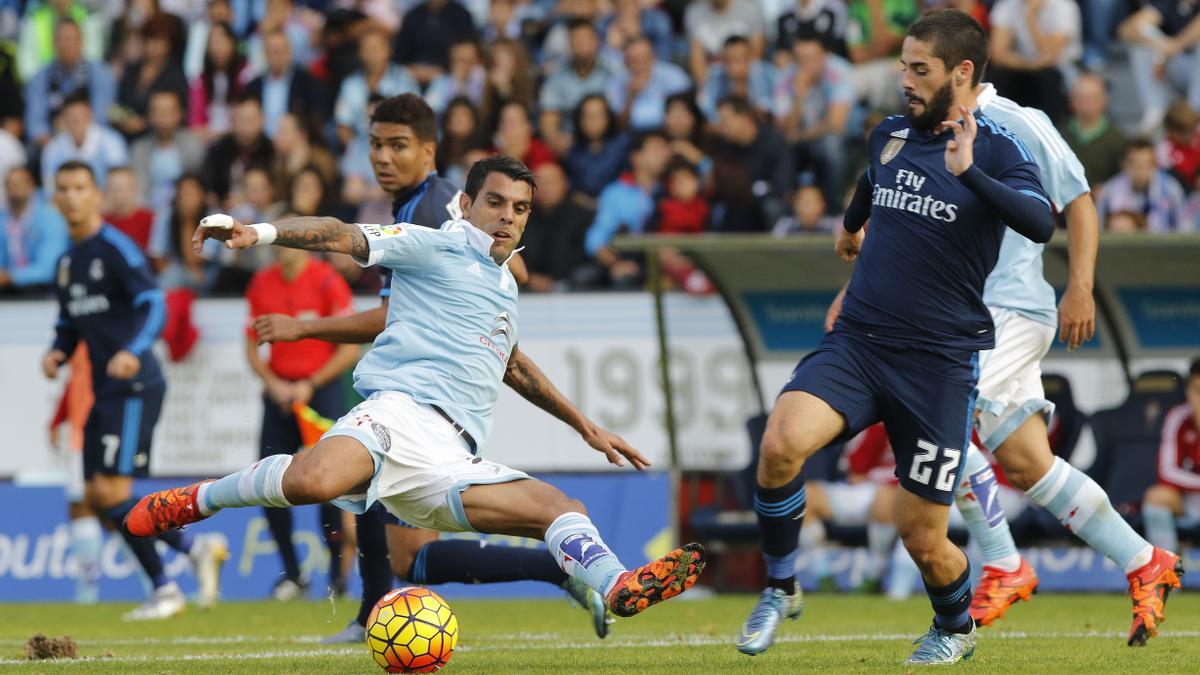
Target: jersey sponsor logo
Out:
[486,342]
[891,150]
[82,304]
[904,196]
[582,549]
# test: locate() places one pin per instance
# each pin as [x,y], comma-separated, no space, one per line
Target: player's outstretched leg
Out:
[1006,577]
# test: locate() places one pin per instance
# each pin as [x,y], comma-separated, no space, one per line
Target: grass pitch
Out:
[838,633]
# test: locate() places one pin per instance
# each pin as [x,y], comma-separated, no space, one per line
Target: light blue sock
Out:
[1083,507]
[1160,526]
[260,484]
[576,544]
[978,500]
[87,540]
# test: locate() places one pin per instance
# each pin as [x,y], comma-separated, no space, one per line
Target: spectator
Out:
[1179,151]
[1033,45]
[124,208]
[47,92]
[709,23]
[682,210]
[1175,500]
[34,235]
[1145,189]
[752,170]
[258,205]
[1163,36]
[873,37]
[824,18]
[599,151]
[503,22]
[808,214]
[296,149]
[171,241]
[12,99]
[510,80]
[83,139]
[155,72]
[284,88]
[585,74]
[12,155]
[467,77]
[515,137]
[813,99]
[684,127]
[127,42]
[460,133]
[219,11]
[427,29]
[1100,17]
[1091,133]
[739,73]
[639,95]
[625,206]
[165,154]
[232,154]
[1125,222]
[632,19]
[39,36]
[306,193]
[221,83]
[554,236]
[378,76]
[298,24]
[359,188]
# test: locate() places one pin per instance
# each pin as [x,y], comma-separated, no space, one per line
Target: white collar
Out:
[478,239]
[987,94]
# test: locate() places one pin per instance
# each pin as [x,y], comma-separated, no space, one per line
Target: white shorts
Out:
[1010,377]
[422,463]
[850,503]
[73,486]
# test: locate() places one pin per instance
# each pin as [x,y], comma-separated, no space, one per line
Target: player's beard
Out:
[936,109]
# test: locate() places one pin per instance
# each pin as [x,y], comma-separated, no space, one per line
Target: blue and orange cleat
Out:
[165,510]
[1149,586]
[998,590]
[663,579]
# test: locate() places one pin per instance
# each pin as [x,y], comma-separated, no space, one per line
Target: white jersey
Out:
[1017,282]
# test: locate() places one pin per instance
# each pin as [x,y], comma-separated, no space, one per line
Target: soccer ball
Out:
[411,630]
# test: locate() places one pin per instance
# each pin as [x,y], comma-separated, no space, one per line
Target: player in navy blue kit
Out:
[108,298]
[905,348]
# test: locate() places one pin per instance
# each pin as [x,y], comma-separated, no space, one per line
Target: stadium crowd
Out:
[636,115]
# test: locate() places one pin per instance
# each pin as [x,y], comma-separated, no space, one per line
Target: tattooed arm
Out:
[524,377]
[309,233]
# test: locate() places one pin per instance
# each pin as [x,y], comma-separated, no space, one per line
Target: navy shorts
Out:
[925,399]
[119,432]
[280,433]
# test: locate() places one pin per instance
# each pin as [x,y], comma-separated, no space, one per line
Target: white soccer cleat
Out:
[208,554]
[166,602]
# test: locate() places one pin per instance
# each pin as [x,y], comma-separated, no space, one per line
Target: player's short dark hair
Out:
[955,37]
[410,110]
[76,165]
[509,166]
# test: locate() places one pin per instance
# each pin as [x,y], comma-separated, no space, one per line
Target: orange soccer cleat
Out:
[165,510]
[656,581]
[998,590]
[1149,586]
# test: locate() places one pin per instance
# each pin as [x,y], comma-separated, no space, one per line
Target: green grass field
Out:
[1052,634]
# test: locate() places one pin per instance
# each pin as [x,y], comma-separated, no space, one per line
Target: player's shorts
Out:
[73,486]
[422,463]
[1010,376]
[119,433]
[925,399]
[850,502]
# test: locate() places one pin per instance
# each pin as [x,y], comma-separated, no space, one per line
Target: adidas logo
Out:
[474,268]
[900,133]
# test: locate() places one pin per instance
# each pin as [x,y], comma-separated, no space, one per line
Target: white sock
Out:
[576,544]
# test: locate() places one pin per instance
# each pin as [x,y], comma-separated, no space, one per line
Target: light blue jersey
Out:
[451,324]
[1017,282]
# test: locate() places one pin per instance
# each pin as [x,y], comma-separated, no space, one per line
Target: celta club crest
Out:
[891,150]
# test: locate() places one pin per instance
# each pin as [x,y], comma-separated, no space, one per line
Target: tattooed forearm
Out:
[524,377]
[321,234]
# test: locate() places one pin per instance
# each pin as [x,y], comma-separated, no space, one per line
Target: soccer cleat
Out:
[761,627]
[164,603]
[351,634]
[290,589]
[998,590]
[939,647]
[592,602]
[656,581]
[208,554]
[1149,586]
[160,511]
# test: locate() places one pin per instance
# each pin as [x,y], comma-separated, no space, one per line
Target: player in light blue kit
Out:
[430,382]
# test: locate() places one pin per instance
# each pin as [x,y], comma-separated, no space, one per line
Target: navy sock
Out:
[142,547]
[331,527]
[952,603]
[471,562]
[178,539]
[780,514]
[374,565]
[280,522]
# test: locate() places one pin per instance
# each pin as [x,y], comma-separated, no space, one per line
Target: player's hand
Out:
[302,391]
[278,328]
[51,363]
[614,447]
[849,244]
[280,392]
[221,227]
[960,149]
[1076,317]
[123,366]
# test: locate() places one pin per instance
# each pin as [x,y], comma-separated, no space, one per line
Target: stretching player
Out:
[430,381]
[403,137]
[107,298]
[905,349]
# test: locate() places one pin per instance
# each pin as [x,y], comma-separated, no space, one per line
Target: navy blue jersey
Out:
[430,204]
[108,297]
[919,278]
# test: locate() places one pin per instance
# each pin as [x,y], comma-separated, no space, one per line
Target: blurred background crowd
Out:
[637,116]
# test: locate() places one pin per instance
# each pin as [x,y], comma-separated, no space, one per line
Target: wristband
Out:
[266,233]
